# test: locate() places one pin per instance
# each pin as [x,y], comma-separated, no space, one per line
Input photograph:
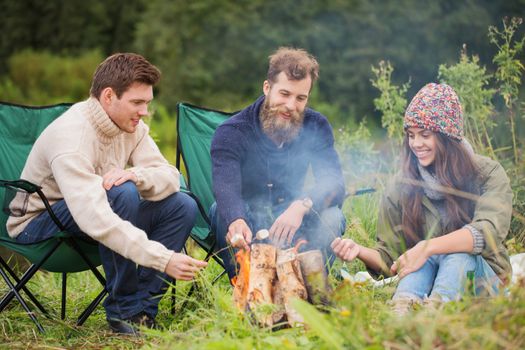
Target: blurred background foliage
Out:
[214,52]
[374,56]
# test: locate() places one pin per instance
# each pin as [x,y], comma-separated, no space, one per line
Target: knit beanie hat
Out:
[436,107]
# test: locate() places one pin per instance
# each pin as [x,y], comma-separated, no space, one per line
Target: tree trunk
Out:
[314,274]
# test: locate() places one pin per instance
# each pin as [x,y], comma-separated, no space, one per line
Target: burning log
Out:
[272,277]
[240,282]
[262,279]
[291,283]
[314,273]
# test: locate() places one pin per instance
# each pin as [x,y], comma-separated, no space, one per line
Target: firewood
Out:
[240,282]
[315,277]
[262,278]
[279,314]
[291,282]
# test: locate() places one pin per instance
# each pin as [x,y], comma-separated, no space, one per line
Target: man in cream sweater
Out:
[106,178]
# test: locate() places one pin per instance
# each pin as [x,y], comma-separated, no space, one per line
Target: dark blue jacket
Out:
[248,168]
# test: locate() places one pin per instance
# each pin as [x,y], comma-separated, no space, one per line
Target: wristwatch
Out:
[307,202]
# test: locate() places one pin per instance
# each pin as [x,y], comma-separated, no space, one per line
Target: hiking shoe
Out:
[130,326]
[143,319]
[402,306]
[433,302]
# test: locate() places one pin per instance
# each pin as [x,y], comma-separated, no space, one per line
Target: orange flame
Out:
[242,280]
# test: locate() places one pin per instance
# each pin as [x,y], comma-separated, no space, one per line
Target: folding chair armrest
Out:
[30,187]
[22,184]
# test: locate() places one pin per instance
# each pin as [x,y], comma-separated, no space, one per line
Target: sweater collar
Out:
[100,120]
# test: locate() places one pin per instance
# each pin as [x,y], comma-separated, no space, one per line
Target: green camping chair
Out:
[63,253]
[195,129]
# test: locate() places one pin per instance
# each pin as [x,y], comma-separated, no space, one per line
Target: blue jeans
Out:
[318,229]
[445,276]
[131,288]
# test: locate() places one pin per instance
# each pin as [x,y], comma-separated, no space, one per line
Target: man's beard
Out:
[276,128]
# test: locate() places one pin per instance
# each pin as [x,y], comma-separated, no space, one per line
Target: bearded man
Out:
[261,157]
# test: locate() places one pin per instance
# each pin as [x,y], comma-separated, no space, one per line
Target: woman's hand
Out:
[345,249]
[412,260]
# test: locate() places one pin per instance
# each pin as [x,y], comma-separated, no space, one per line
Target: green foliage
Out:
[319,324]
[163,129]
[359,159]
[392,101]
[470,81]
[508,76]
[40,78]
[214,53]
[67,27]
[358,319]
[509,65]
[509,70]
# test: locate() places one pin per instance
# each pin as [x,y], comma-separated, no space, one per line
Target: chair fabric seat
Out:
[62,253]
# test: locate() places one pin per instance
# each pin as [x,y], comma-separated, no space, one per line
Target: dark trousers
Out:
[319,229]
[131,288]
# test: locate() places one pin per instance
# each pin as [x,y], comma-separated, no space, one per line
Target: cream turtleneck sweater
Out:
[68,161]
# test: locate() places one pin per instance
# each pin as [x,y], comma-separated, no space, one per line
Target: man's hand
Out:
[116,177]
[412,260]
[345,249]
[284,228]
[183,267]
[239,234]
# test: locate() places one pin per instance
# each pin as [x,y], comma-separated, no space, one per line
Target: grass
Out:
[358,319]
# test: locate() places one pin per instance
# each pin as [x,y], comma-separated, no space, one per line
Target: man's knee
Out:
[185,204]
[125,193]
[332,219]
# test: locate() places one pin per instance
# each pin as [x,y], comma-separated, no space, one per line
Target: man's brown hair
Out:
[295,63]
[120,71]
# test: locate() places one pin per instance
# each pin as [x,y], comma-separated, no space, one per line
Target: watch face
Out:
[307,202]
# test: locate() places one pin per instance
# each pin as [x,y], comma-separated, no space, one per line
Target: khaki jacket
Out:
[492,215]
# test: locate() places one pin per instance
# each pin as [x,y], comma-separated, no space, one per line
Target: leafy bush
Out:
[41,78]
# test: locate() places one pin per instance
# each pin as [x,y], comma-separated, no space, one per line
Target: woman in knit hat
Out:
[446,214]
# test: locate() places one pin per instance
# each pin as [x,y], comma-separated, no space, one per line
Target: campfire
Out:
[270,278]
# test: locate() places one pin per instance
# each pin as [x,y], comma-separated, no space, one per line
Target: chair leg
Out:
[11,294]
[14,291]
[91,307]
[24,288]
[26,277]
[64,291]
[194,287]
[92,266]
[173,296]
[218,277]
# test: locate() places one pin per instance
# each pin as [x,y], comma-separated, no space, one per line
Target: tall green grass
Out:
[358,319]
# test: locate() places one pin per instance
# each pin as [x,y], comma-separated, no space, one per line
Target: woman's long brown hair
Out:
[455,169]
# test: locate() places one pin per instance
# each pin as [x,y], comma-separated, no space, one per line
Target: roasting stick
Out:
[264,234]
